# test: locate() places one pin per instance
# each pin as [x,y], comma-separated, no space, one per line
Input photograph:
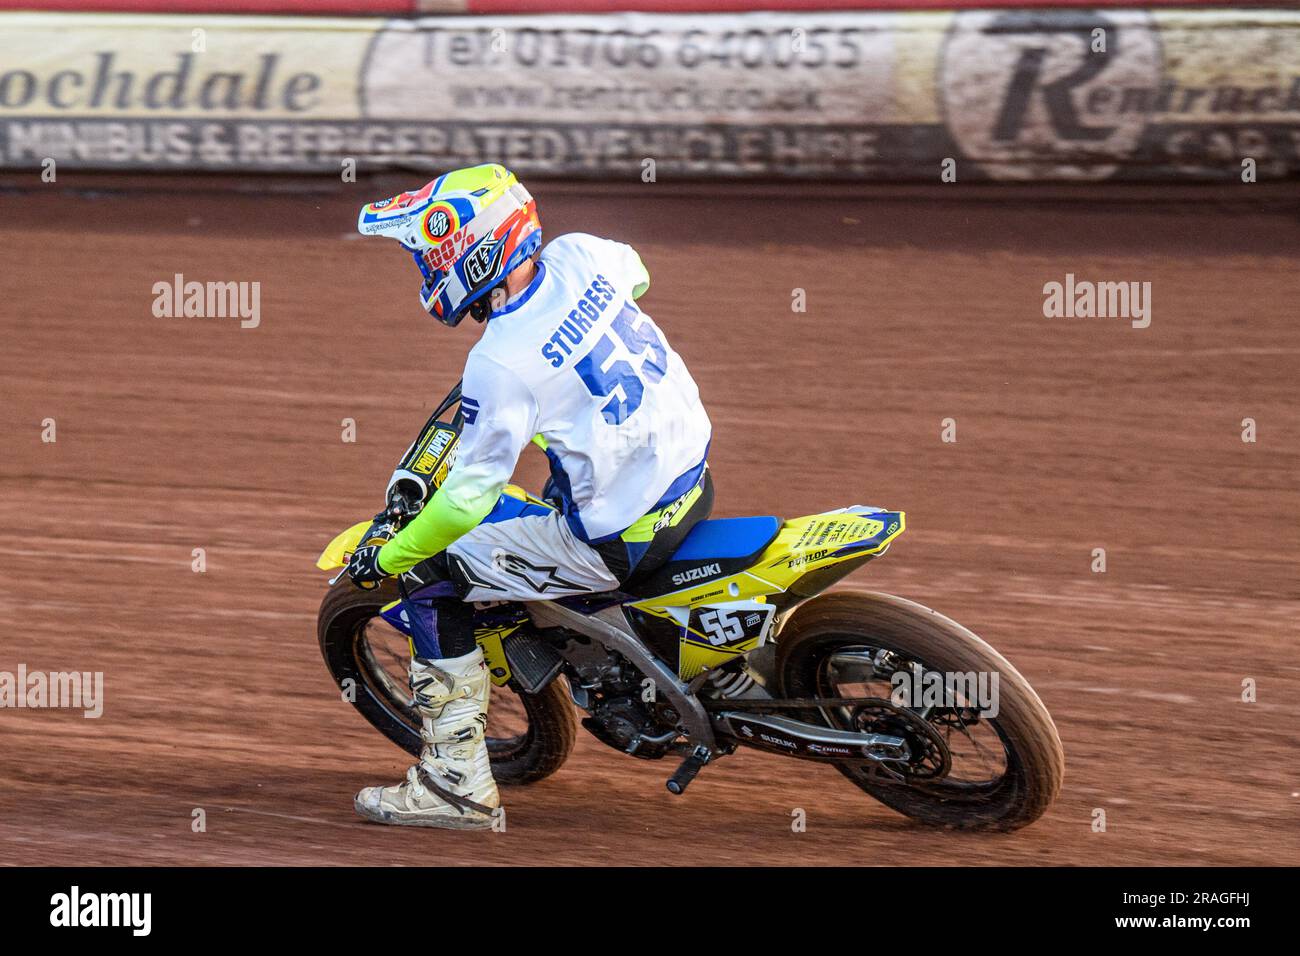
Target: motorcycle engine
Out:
[621,719]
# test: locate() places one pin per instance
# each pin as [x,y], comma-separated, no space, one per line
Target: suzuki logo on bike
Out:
[695,574]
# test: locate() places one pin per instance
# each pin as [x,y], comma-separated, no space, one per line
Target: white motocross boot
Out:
[452,785]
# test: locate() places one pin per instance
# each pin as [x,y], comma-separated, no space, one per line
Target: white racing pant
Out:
[533,556]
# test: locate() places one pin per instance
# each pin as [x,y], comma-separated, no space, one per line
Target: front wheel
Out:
[529,736]
[973,766]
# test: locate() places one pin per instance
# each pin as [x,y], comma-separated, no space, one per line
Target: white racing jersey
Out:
[573,358]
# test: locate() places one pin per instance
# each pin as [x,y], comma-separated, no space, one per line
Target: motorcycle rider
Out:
[568,360]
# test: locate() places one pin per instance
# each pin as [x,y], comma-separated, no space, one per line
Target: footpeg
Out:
[692,765]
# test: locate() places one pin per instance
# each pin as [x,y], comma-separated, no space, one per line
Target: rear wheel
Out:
[972,767]
[529,736]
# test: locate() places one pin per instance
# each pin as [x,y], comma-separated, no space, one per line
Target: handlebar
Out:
[406,497]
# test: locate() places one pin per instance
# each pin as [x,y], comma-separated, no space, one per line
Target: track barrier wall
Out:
[1024,94]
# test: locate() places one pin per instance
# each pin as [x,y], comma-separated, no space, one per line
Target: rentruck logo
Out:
[102,84]
[1030,93]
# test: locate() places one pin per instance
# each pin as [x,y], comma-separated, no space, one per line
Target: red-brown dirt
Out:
[922,304]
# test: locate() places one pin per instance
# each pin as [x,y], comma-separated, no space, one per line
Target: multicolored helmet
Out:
[467,230]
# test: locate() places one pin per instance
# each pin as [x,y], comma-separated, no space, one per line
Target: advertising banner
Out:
[993,94]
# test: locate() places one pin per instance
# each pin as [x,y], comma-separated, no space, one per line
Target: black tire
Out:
[1034,761]
[516,760]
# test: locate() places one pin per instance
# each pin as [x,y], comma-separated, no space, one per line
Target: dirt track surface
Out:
[175,434]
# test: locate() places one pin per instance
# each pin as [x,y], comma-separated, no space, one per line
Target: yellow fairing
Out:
[336,554]
[494,654]
[514,491]
[699,650]
[802,546]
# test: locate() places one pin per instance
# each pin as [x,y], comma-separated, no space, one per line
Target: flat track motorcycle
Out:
[730,644]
